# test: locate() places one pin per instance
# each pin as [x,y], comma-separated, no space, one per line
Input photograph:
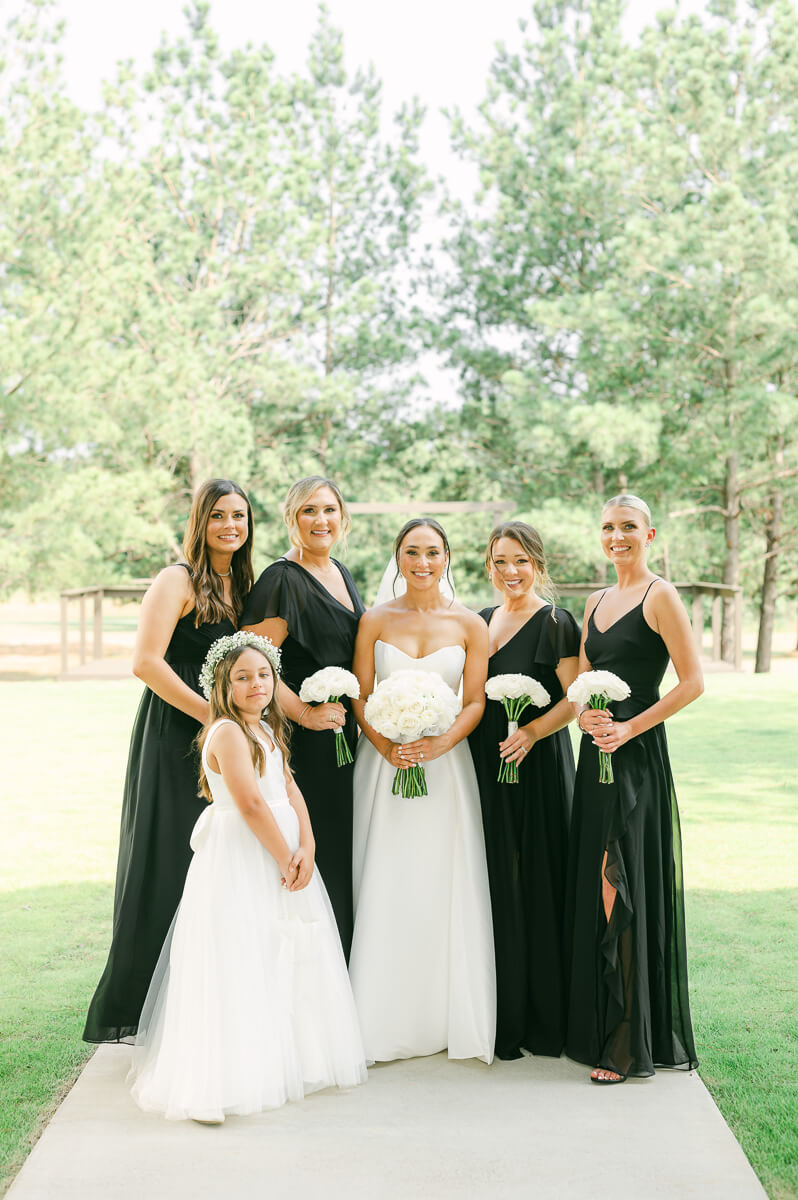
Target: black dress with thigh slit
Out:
[628,1008]
[526,840]
[321,633]
[159,810]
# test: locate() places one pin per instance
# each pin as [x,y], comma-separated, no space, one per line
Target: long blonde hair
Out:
[221,705]
[532,544]
[209,602]
[299,493]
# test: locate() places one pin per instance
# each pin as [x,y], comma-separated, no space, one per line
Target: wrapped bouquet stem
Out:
[331,683]
[406,706]
[515,693]
[596,689]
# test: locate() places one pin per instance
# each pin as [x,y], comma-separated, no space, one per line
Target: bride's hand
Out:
[323,716]
[423,750]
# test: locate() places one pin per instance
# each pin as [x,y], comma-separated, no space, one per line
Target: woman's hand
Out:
[422,750]
[324,716]
[516,746]
[594,721]
[302,862]
[612,736]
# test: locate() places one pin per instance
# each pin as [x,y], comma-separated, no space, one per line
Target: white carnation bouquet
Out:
[406,706]
[515,692]
[331,683]
[596,689]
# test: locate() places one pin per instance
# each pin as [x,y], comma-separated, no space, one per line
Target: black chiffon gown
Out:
[321,633]
[159,809]
[628,1008]
[526,839]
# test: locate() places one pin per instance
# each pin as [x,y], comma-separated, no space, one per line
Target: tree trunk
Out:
[767,607]
[731,563]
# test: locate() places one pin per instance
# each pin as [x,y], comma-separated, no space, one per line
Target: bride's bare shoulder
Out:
[470,621]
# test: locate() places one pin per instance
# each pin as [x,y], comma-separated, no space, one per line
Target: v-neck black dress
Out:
[159,809]
[628,1009]
[321,633]
[526,839]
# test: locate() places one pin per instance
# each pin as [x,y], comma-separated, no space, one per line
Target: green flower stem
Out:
[343,755]
[409,782]
[605,759]
[513,706]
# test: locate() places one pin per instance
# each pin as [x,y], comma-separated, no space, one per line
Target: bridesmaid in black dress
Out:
[628,1008]
[526,823]
[308,604]
[187,607]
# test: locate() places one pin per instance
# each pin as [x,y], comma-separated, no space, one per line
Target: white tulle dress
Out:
[250,1004]
[422,964]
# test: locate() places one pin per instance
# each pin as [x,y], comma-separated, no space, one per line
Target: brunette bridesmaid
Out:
[527,823]
[308,604]
[187,607]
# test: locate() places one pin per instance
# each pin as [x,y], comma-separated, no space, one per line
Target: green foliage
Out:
[214,285]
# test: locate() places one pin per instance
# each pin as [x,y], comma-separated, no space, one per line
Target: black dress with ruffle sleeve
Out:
[321,633]
[526,839]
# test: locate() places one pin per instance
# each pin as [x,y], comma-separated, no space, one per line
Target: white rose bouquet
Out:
[596,689]
[406,706]
[515,692]
[331,683]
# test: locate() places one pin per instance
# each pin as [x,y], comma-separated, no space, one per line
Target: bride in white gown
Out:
[422,965]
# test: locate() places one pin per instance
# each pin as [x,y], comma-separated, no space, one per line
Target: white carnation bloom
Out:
[597,683]
[322,685]
[514,687]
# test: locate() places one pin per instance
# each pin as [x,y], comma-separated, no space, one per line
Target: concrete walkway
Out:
[426,1128]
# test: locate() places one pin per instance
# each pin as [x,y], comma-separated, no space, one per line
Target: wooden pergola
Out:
[718,592]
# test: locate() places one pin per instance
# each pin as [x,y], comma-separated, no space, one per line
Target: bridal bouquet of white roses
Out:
[596,689]
[515,692]
[331,683]
[406,706]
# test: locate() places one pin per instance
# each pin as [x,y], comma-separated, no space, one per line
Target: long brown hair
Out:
[221,705]
[531,543]
[209,602]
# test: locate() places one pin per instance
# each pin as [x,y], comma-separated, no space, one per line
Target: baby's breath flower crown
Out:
[235,641]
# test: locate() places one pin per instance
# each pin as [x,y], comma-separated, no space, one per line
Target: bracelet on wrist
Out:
[579,721]
[301,715]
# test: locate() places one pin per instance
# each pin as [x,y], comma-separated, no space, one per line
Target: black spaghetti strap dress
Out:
[321,633]
[526,840]
[159,809]
[628,1008]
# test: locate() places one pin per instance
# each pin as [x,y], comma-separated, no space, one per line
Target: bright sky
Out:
[439,50]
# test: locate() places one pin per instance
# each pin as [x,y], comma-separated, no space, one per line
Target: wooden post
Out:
[738,630]
[717,614]
[98,623]
[82,628]
[64,635]
[698,619]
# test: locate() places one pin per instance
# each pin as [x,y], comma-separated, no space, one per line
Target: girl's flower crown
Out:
[234,641]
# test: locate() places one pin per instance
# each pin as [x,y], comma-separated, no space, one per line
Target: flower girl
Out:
[250,1004]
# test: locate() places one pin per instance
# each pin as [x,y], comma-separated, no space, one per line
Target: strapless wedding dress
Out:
[422,965]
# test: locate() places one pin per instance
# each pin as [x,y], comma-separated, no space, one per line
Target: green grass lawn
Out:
[732,753]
